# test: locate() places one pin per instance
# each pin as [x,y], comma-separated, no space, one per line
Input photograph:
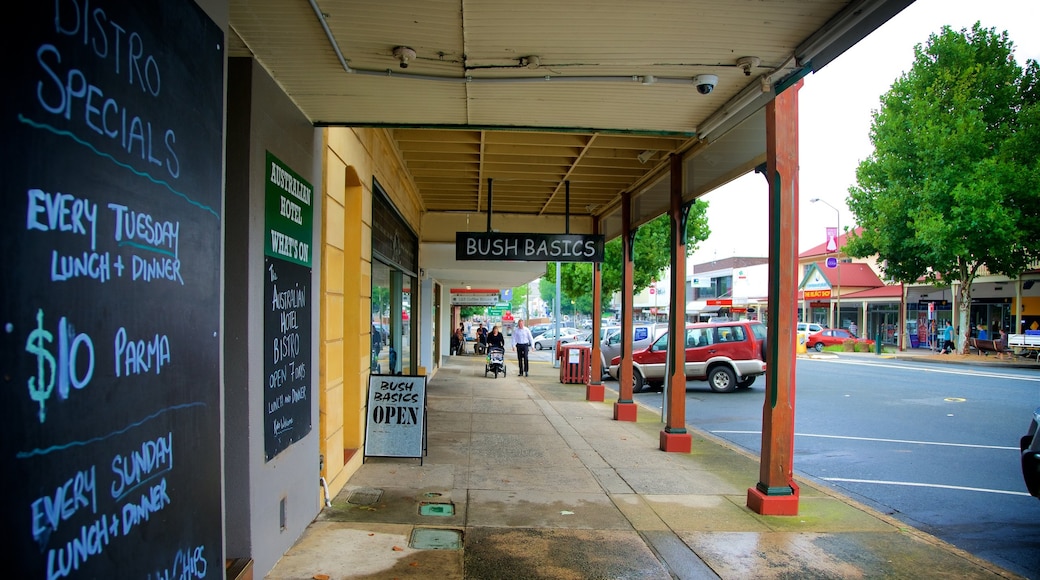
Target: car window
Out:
[759,330]
[661,343]
[730,333]
[697,337]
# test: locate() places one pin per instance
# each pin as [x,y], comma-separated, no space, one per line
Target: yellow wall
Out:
[351,158]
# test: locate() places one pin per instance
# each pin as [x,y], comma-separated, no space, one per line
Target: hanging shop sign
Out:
[496,246]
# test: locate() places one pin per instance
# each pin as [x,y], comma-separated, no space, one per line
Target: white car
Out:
[548,340]
[809,327]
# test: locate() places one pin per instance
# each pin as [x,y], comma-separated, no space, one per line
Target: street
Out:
[934,445]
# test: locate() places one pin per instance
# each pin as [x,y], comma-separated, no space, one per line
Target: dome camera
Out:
[705,83]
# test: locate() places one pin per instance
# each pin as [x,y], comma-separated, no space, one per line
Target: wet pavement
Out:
[525,479]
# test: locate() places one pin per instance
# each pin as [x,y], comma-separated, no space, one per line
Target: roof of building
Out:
[853,274]
[731,263]
[821,249]
[893,291]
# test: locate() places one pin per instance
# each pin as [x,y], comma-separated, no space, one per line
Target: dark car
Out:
[1030,445]
[729,355]
[833,337]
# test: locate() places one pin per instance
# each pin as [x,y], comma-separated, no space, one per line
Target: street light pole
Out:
[837,247]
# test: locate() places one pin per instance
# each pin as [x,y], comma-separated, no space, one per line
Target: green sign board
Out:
[288,214]
[494,312]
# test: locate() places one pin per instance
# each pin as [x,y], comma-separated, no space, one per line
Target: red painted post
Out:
[594,390]
[776,492]
[625,407]
[674,437]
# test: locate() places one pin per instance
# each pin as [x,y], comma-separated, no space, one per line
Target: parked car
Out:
[1030,446]
[540,329]
[809,327]
[643,333]
[547,340]
[728,355]
[831,337]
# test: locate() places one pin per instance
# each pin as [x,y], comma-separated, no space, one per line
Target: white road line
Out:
[1001,447]
[933,369]
[935,485]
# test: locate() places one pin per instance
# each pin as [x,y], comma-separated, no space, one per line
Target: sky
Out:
[835,106]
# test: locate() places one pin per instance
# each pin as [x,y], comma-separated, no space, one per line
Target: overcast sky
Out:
[835,106]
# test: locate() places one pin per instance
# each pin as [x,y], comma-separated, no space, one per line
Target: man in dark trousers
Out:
[522,341]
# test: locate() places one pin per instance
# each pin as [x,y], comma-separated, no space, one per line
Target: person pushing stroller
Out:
[496,352]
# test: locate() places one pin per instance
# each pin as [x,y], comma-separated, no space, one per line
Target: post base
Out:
[676,442]
[773,505]
[625,412]
[594,392]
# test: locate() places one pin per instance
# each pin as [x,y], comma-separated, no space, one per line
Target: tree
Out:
[952,188]
[650,257]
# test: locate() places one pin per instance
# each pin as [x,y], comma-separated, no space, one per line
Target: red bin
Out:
[575,364]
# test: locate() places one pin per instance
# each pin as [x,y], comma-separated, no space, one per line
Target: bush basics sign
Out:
[396,424]
[497,246]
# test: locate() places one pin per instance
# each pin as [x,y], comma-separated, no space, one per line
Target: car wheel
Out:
[818,347]
[746,382]
[722,380]
[638,382]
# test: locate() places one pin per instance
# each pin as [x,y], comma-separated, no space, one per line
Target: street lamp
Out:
[837,246]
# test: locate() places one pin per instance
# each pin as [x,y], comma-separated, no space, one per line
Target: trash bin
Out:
[877,343]
[803,337]
[575,364]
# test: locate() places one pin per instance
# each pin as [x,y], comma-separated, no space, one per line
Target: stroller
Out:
[496,361]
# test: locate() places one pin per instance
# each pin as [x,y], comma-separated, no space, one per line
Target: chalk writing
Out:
[153,458]
[134,357]
[187,563]
[61,212]
[65,370]
[79,491]
[70,94]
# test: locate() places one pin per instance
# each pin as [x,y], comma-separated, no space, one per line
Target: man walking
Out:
[522,340]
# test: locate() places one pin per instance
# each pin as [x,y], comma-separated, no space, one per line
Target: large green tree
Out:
[952,189]
[650,256]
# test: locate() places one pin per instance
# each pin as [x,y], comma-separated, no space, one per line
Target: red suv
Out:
[726,354]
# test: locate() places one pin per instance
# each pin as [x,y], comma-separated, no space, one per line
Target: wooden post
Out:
[625,407]
[674,436]
[776,492]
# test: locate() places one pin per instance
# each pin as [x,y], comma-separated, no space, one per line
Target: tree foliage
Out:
[952,188]
[650,256]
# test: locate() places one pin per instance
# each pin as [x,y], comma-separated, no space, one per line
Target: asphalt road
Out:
[934,445]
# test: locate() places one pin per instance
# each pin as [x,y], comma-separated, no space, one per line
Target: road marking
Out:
[1000,447]
[932,369]
[934,485]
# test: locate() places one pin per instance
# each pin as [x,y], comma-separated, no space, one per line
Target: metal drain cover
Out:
[434,539]
[437,509]
[365,496]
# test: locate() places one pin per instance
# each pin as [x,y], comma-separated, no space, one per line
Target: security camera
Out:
[705,83]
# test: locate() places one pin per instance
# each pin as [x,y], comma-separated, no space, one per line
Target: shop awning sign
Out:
[498,246]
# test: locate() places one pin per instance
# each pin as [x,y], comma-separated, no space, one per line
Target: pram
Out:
[496,361]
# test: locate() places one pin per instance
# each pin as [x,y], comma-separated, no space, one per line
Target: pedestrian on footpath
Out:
[948,345]
[522,341]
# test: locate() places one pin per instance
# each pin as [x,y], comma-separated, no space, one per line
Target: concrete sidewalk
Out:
[525,479]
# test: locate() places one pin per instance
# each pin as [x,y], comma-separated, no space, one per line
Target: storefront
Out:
[394,276]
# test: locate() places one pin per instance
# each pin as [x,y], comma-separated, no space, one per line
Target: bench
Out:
[1028,344]
[984,346]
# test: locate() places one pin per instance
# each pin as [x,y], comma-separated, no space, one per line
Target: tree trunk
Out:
[962,328]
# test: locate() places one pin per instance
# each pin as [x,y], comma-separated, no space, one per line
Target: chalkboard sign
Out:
[287,333]
[396,425]
[287,306]
[111,124]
